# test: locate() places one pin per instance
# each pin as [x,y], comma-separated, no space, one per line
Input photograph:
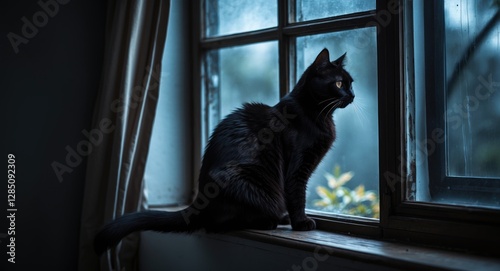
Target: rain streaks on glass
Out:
[243,74]
[473,104]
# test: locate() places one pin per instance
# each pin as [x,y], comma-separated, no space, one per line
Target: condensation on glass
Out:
[465,134]
[306,10]
[238,75]
[225,17]
[473,103]
[355,152]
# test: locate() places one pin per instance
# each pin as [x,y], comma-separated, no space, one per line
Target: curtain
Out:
[122,123]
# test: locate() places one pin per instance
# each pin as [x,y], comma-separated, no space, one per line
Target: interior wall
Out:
[51,53]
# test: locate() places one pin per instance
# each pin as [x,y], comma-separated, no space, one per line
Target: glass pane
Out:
[473,107]
[317,9]
[244,74]
[171,145]
[342,184]
[453,153]
[224,17]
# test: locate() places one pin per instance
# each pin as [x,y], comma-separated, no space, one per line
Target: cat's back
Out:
[246,118]
[237,135]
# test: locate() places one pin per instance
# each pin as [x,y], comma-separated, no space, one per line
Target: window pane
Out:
[317,9]
[452,83]
[168,169]
[473,107]
[224,17]
[354,156]
[242,74]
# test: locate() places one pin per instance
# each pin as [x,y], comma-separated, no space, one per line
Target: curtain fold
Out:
[122,124]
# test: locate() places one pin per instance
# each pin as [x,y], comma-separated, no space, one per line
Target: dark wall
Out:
[47,91]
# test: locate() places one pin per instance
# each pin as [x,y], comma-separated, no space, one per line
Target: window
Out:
[255,51]
[448,191]
[457,148]
[422,137]
[169,167]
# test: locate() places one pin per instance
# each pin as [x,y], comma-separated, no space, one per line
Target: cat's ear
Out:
[339,62]
[323,59]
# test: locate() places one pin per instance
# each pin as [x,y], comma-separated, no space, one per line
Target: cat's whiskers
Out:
[359,111]
[335,106]
[333,101]
[330,107]
[327,100]
[330,102]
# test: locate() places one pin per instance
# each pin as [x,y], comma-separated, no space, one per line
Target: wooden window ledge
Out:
[382,253]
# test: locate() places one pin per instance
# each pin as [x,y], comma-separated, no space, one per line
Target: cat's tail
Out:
[159,221]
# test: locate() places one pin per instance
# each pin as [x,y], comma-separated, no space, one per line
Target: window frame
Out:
[442,184]
[424,223]
[461,227]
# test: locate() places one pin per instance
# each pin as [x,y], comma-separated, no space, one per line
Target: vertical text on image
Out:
[11,208]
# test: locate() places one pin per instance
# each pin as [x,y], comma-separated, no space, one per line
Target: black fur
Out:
[257,162]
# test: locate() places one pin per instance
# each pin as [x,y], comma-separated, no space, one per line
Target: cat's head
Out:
[328,83]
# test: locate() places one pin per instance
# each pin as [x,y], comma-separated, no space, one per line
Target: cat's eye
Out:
[338,84]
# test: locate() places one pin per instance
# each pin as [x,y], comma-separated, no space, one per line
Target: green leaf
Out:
[344,178]
[326,194]
[332,181]
[336,171]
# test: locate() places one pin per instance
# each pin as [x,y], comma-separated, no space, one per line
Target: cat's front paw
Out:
[305,224]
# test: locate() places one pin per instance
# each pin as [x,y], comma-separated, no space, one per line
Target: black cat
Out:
[257,162]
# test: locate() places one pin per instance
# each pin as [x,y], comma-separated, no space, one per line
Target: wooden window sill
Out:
[371,251]
[398,255]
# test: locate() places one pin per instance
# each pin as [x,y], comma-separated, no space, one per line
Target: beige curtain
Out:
[122,123]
